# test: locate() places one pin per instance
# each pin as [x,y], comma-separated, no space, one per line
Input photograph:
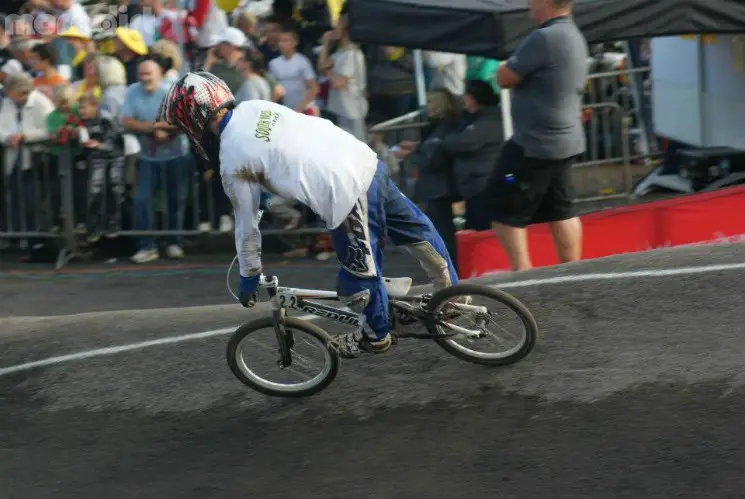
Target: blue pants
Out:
[359,242]
[172,176]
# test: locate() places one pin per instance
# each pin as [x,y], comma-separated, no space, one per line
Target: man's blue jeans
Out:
[385,214]
[172,178]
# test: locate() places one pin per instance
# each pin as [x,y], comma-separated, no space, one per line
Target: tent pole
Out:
[506,105]
[421,90]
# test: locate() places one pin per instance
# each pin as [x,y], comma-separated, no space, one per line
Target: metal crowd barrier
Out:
[36,208]
[60,200]
[612,111]
[602,131]
[53,201]
[387,134]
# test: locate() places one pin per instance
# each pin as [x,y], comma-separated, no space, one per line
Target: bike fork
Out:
[285,340]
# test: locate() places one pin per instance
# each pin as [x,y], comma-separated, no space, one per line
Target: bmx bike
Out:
[436,312]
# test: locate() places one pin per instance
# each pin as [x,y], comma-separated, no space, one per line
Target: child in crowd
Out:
[101,141]
[63,126]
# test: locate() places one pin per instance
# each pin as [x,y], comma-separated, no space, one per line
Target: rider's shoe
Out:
[357,343]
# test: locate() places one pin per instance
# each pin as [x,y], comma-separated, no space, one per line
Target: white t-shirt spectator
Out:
[213,26]
[76,17]
[292,74]
[148,26]
[449,71]
[349,102]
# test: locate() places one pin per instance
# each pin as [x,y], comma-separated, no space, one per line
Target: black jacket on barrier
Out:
[435,179]
[475,149]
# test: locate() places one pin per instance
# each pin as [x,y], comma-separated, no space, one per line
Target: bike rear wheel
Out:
[471,349]
[301,334]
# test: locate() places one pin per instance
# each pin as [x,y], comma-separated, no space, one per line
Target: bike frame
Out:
[307,300]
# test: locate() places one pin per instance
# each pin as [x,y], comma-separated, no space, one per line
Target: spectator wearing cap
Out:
[345,69]
[23,120]
[532,180]
[80,45]
[9,68]
[70,13]
[164,162]
[295,73]
[43,61]
[222,58]
[131,50]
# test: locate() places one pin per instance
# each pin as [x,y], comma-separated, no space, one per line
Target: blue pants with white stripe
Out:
[385,214]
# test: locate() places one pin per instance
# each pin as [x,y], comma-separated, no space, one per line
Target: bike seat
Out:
[397,287]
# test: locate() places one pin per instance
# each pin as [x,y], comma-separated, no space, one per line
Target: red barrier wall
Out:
[695,218]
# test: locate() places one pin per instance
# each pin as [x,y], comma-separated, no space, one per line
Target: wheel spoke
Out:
[469,307]
[253,355]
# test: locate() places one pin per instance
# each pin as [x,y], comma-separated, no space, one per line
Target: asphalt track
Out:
[635,390]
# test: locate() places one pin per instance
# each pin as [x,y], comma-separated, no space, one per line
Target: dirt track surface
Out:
[634,390]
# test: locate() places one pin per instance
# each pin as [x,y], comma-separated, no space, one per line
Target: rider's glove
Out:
[247,290]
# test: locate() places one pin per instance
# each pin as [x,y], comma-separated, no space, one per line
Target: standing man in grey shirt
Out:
[532,180]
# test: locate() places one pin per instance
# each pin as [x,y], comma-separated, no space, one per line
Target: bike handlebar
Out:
[268,281]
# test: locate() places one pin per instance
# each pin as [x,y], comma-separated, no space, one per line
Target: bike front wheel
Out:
[483,311]
[314,365]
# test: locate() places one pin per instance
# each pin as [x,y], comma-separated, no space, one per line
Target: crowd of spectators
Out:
[94,91]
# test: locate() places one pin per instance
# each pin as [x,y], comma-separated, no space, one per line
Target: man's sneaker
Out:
[357,343]
[174,252]
[226,223]
[145,256]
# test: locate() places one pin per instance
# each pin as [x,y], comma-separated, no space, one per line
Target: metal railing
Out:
[603,134]
[66,203]
[622,160]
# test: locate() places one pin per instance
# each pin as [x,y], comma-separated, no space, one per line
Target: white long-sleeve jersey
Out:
[295,156]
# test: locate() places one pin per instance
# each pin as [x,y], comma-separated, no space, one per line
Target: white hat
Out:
[12,67]
[233,36]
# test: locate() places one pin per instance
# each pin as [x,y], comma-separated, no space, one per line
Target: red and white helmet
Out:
[191,104]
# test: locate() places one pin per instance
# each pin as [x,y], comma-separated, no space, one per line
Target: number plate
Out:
[287,300]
